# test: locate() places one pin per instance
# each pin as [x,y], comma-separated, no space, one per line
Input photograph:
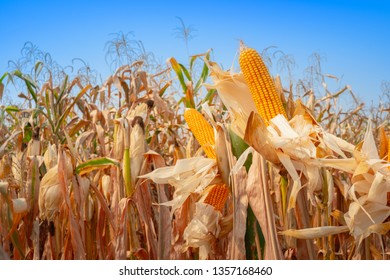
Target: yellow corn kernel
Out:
[217,197]
[261,85]
[202,131]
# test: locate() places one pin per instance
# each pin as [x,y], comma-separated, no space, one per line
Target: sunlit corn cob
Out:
[217,196]
[202,131]
[261,85]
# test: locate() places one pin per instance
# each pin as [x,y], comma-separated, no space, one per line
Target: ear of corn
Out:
[261,85]
[202,131]
[137,148]
[217,196]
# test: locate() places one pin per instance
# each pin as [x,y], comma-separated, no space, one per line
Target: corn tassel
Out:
[217,196]
[261,85]
[202,131]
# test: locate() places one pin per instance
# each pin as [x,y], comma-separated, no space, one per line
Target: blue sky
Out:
[352,36]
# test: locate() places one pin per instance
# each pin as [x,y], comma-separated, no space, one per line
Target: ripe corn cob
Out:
[261,85]
[217,196]
[202,131]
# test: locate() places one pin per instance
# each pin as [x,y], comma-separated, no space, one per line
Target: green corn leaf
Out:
[238,147]
[185,71]
[69,108]
[163,89]
[253,235]
[29,84]
[210,95]
[38,68]
[1,90]
[178,70]
[203,76]
[95,164]
[63,88]
[10,109]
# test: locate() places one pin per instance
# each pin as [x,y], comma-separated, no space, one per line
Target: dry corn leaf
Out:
[259,198]
[164,228]
[63,180]
[222,154]
[382,229]
[3,187]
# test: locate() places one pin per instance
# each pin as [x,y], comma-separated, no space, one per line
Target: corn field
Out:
[188,163]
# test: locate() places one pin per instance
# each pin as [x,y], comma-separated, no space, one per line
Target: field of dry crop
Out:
[191,162]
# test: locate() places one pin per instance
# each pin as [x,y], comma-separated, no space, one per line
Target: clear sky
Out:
[353,36]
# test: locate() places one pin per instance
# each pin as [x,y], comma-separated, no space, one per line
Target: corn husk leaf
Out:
[257,137]
[187,176]
[50,196]
[50,156]
[359,219]
[19,205]
[137,151]
[203,229]
[229,85]
[317,232]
